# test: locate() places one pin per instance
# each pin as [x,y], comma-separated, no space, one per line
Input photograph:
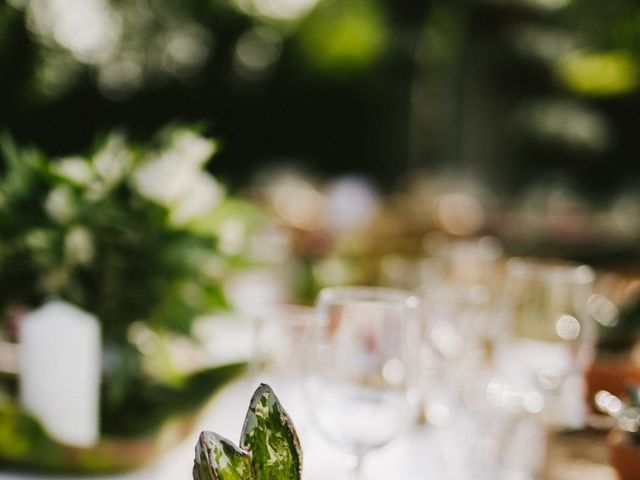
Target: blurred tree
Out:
[275,83]
[506,90]
[539,89]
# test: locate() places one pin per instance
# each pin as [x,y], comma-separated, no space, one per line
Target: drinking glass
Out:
[280,335]
[457,290]
[362,378]
[547,338]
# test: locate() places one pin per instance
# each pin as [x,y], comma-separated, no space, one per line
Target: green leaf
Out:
[136,405]
[269,434]
[219,459]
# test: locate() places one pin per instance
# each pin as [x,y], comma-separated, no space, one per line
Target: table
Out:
[579,456]
[418,455]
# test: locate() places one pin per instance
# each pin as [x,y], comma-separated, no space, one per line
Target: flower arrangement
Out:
[115,232]
[132,234]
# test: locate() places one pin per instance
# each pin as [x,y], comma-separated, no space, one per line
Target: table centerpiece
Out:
[127,235]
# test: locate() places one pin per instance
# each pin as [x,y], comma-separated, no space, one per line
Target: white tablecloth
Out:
[414,456]
[451,452]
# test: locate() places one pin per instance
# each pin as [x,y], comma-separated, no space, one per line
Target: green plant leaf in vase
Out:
[219,459]
[269,434]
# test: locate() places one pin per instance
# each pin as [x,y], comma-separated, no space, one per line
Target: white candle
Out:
[60,365]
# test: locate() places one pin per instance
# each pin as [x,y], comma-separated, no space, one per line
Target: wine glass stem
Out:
[355,466]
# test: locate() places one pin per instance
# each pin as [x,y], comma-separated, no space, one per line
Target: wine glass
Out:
[362,378]
[547,338]
[280,336]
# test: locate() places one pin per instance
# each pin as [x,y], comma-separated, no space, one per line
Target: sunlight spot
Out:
[588,73]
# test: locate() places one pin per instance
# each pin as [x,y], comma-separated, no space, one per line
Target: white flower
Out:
[113,161]
[59,205]
[89,29]
[175,178]
[192,148]
[203,194]
[78,246]
[165,179]
[76,169]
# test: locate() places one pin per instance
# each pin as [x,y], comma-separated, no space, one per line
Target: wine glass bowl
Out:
[547,337]
[280,336]
[362,379]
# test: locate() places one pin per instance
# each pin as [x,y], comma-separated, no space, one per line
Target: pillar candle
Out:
[60,365]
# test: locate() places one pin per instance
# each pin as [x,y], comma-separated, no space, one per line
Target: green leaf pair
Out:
[269,446]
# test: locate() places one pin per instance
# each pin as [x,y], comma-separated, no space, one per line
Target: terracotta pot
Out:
[624,456]
[612,373]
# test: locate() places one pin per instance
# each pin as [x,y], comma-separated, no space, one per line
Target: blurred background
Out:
[533,101]
[511,93]
[407,143]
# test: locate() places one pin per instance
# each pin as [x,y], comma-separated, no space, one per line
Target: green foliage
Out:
[117,233]
[219,459]
[599,74]
[22,437]
[126,233]
[268,433]
[608,66]
[24,443]
[344,38]
[150,402]
[269,446]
